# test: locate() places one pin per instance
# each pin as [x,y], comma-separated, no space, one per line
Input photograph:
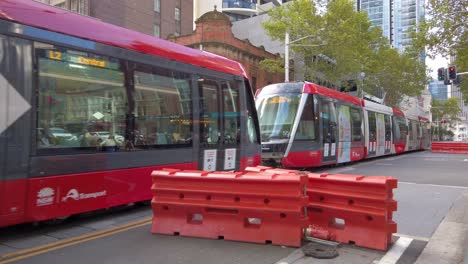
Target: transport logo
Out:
[75,195]
[45,196]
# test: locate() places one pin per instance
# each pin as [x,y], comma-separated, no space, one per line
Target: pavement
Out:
[449,244]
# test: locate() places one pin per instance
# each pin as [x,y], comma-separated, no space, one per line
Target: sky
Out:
[436,63]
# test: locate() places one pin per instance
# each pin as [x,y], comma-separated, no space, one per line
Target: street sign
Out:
[12,104]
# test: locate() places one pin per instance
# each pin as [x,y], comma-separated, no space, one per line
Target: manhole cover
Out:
[320,251]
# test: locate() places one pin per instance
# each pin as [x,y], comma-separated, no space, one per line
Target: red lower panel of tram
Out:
[43,198]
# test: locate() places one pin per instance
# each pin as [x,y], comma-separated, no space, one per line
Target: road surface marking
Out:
[30,252]
[343,169]
[71,244]
[394,254]
[425,239]
[435,185]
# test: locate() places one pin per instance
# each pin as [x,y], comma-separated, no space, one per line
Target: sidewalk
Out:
[449,244]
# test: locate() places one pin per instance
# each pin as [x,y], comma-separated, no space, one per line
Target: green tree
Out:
[448,110]
[443,116]
[445,33]
[340,44]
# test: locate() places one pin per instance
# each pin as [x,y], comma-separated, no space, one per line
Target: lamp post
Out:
[287,44]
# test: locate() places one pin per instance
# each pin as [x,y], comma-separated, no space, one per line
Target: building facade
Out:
[236,10]
[395,17]
[380,14]
[460,129]
[438,90]
[153,17]
[214,34]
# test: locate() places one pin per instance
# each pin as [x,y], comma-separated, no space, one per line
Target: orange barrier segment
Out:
[352,209]
[450,147]
[253,206]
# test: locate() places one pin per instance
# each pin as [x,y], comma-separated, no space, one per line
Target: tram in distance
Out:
[93,108]
[306,125]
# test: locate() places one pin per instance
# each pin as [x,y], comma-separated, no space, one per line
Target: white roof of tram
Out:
[375,107]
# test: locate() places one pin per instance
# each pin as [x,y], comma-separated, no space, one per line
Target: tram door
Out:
[219,125]
[329,130]
[15,124]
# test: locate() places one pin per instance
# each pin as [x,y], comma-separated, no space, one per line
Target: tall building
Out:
[153,17]
[395,17]
[380,13]
[438,90]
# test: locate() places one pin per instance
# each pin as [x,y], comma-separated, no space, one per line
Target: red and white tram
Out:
[307,125]
[89,109]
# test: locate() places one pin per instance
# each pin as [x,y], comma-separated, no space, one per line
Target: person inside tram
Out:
[110,144]
[88,140]
[43,139]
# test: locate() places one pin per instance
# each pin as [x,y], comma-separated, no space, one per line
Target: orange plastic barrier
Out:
[253,206]
[450,147]
[352,209]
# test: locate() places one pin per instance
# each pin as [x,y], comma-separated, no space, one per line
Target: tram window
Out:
[252,119]
[356,123]
[82,101]
[277,114]
[403,127]
[231,112]
[328,115]
[411,129]
[210,128]
[163,107]
[396,129]
[372,126]
[388,128]
[306,126]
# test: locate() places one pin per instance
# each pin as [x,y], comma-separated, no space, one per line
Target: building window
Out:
[157,6]
[177,14]
[157,31]
[78,6]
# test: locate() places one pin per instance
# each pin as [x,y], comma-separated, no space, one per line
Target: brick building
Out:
[153,17]
[213,34]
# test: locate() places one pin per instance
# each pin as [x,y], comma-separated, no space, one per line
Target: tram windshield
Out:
[276,115]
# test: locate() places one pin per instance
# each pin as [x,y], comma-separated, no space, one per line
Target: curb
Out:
[449,243]
[465,258]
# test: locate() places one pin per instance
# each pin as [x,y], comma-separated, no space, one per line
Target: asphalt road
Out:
[428,186]
[418,167]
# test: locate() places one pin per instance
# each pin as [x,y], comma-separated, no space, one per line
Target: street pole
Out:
[286,57]
[288,43]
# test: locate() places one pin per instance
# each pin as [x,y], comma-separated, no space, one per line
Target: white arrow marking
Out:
[12,104]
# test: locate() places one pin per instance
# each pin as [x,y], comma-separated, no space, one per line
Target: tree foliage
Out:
[445,33]
[341,44]
[447,110]
[445,28]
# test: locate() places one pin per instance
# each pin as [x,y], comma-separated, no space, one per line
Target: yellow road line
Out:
[72,243]
[64,241]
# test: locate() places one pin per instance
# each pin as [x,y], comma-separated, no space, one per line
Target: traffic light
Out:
[452,73]
[441,74]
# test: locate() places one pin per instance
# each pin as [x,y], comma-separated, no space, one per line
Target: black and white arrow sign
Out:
[12,104]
